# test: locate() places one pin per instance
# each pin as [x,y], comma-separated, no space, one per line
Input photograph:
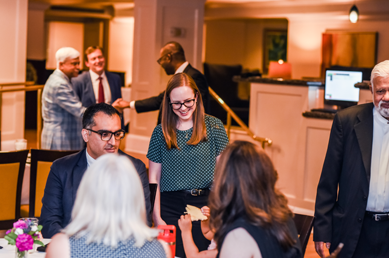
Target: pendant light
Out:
[354,14]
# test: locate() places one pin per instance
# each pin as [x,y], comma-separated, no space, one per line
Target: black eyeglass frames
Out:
[187,103]
[107,135]
[162,57]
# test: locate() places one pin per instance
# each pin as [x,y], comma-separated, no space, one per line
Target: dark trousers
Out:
[373,240]
[172,207]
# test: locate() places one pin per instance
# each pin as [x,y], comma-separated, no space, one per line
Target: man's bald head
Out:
[172,57]
[175,49]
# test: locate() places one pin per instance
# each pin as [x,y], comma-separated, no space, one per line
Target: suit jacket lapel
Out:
[187,68]
[364,132]
[78,172]
[89,88]
[111,86]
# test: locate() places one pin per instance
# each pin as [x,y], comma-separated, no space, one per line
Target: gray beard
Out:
[383,111]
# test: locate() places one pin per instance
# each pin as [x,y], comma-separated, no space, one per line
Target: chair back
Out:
[12,166]
[304,224]
[153,192]
[41,161]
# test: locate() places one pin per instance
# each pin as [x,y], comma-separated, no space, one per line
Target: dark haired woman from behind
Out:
[249,216]
[183,151]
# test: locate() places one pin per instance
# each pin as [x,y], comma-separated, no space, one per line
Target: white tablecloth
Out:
[8,251]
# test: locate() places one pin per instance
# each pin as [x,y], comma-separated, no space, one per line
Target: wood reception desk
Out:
[299,143]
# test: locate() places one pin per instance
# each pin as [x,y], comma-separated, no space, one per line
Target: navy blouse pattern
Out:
[191,166]
[79,249]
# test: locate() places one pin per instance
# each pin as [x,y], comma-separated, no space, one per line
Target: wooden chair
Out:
[12,166]
[41,161]
[304,224]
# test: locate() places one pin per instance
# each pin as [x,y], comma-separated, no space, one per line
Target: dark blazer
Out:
[155,103]
[61,189]
[83,87]
[339,216]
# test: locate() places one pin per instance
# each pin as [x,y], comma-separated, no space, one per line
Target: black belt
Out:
[377,216]
[197,192]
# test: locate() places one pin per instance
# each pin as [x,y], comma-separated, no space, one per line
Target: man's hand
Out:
[120,104]
[319,246]
[185,223]
[336,252]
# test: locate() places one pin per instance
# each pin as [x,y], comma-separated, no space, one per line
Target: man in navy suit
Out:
[96,85]
[102,133]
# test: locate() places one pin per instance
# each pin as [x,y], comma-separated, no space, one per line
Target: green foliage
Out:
[11,241]
[38,242]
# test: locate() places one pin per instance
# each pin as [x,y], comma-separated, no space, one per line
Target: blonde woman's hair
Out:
[110,205]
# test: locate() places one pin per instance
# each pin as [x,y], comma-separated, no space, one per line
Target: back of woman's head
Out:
[244,186]
[110,205]
[169,118]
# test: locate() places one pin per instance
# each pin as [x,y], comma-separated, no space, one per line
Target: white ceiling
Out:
[374,9]
[96,3]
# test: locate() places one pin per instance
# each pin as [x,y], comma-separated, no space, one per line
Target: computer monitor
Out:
[339,88]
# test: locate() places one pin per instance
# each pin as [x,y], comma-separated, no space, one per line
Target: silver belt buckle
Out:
[195,192]
[376,217]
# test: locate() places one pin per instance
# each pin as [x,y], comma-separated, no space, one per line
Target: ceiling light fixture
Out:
[354,14]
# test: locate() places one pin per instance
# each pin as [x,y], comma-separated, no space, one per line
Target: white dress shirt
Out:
[95,82]
[89,159]
[182,67]
[378,200]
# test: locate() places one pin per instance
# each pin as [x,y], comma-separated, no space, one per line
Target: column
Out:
[154,22]
[13,31]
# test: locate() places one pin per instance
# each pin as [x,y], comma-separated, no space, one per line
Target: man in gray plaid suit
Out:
[62,111]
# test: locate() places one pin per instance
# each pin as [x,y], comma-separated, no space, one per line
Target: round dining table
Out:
[8,251]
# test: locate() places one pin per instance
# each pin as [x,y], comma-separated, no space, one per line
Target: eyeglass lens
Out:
[106,136]
[187,103]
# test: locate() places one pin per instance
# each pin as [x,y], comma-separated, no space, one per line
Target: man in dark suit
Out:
[96,85]
[102,133]
[173,61]
[352,202]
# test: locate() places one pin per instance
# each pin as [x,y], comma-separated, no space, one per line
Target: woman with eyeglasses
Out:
[183,151]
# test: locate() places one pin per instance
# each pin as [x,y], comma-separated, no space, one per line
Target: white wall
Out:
[120,47]
[36,41]
[238,41]
[64,34]
[304,41]
[307,20]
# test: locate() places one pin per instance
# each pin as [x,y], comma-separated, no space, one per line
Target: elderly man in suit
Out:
[352,202]
[172,59]
[61,108]
[96,85]
[102,133]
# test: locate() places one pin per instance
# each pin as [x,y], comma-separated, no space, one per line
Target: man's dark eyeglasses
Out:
[187,103]
[107,135]
[162,57]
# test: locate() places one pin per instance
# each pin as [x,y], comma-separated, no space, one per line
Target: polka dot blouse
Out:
[191,166]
